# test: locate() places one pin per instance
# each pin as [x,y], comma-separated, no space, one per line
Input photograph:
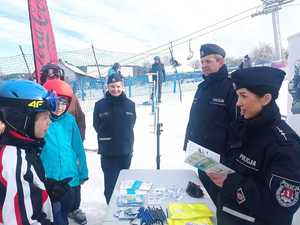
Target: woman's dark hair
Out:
[260,91]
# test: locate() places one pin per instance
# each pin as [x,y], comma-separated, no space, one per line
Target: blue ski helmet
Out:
[20,101]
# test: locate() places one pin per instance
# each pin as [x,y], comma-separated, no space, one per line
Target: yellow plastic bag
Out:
[200,221]
[183,213]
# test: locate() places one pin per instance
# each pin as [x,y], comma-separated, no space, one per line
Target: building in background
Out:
[293,112]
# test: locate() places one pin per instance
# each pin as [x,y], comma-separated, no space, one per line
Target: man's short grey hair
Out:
[218,57]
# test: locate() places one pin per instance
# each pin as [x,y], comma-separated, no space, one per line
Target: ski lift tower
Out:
[273,6]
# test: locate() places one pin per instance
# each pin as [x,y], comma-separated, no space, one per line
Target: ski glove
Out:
[57,188]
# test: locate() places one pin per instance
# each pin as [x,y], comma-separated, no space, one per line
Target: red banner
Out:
[43,42]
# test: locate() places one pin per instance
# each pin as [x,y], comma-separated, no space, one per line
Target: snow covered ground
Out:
[174,116]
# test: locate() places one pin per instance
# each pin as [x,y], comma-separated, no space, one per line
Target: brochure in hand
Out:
[205,159]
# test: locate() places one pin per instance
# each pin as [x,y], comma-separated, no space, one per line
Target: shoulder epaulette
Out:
[281,135]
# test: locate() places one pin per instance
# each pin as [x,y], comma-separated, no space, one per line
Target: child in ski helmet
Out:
[51,71]
[64,144]
[24,109]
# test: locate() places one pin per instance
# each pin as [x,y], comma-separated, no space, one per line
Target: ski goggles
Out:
[51,101]
[61,100]
[47,103]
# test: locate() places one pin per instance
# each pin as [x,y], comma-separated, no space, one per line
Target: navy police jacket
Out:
[264,190]
[113,120]
[160,69]
[212,111]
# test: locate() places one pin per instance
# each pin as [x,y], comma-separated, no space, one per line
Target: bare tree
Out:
[195,64]
[147,64]
[285,53]
[232,61]
[166,60]
[264,53]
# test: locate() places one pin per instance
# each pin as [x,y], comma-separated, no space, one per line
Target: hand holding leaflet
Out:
[205,159]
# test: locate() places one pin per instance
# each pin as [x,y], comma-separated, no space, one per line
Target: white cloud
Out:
[138,25]
[13,31]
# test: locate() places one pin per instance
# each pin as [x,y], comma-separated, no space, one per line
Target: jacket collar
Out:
[113,99]
[269,114]
[220,75]
[11,137]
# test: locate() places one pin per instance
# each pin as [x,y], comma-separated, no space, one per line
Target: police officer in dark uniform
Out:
[114,119]
[213,107]
[264,152]
[159,68]
[214,102]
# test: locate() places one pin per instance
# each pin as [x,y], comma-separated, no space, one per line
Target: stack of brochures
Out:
[130,200]
[135,187]
[132,193]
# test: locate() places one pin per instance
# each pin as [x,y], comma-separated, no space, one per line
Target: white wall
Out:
[294,54]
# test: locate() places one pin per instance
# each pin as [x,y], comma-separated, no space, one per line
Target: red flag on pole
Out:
[43,42]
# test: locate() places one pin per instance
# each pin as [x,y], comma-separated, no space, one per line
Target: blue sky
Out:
[137,25]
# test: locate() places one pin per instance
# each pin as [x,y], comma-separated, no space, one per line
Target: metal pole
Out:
[158,132]
[272,6]
[277,36]
[99,74]
[158,124]
[26,63]
[97,65]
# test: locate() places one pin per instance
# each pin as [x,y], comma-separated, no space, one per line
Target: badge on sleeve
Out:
[240,197]
[287,194]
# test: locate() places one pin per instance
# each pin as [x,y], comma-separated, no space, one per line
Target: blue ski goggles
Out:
[51,101]
[47,103]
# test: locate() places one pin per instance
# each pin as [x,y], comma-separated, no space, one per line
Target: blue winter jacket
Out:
[63,154]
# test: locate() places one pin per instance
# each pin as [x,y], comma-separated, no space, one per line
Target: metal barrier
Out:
[90,89]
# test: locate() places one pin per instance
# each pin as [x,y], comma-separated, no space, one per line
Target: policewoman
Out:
[114,120]
[264,152]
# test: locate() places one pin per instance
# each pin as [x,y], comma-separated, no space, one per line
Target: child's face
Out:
[61,106]
[42,121]
[116,88]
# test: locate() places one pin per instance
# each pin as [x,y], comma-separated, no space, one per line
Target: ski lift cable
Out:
[192,38]
[296,4]
[180,43]
[193,33]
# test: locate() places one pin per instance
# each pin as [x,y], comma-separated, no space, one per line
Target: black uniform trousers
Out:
[111,167]
[159,86]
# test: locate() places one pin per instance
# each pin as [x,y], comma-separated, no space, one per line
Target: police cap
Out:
[210,49]
[260,80]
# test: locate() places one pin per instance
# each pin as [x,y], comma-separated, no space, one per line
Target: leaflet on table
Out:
[130,200]
[134,187]
[204,159]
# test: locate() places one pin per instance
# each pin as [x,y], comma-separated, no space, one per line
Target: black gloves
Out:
[57,188]
[194,190]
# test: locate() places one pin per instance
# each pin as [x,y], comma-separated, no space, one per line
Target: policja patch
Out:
[287,194]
